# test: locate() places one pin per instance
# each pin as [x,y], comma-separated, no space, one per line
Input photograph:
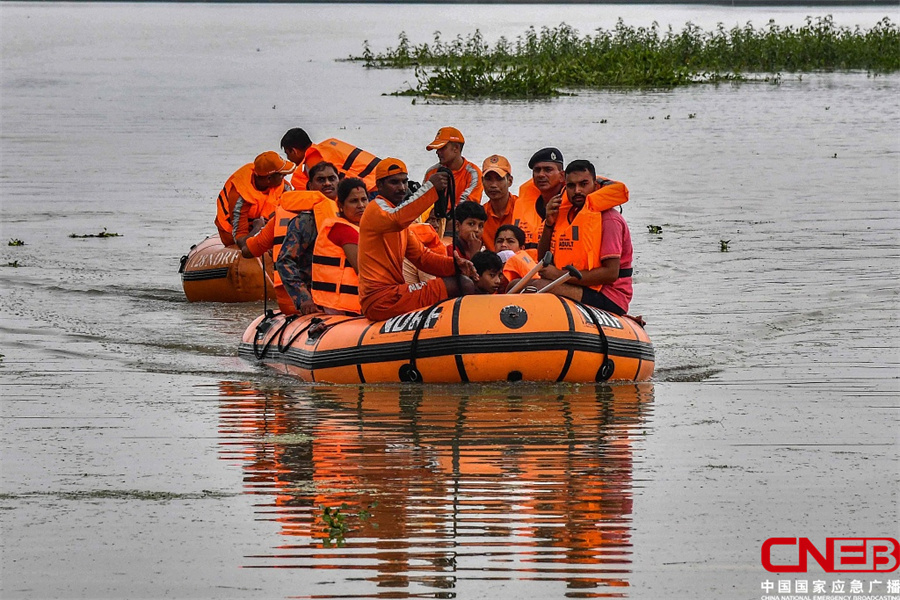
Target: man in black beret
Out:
[547,182]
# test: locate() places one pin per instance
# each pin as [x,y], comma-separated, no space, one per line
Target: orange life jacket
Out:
[526,217]
[334,282]
[518,265]
[293,203]
[257,204]
[578,243]
[428,236]
[349,160]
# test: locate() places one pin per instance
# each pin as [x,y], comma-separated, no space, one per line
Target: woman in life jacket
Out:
[335,282]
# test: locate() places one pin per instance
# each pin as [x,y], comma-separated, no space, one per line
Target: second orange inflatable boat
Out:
[530,337]
[213,272]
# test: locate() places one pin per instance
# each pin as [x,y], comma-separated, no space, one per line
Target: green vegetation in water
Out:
[542,64]
[657,229]
[14,264]
[288,439]
[102,234]
[723,245]
[336,525]
[16,242]
[155,496]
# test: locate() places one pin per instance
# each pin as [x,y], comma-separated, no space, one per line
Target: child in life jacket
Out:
[489,268]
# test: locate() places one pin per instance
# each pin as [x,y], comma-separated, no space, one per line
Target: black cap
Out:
[546,155]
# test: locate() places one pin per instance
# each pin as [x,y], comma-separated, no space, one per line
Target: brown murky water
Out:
[142,459]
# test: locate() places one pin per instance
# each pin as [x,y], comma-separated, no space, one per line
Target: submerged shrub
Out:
[543,63]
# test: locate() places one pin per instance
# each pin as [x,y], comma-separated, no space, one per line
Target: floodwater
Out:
[142,459]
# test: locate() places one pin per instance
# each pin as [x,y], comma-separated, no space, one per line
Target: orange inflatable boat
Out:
[530,337]
[212,272]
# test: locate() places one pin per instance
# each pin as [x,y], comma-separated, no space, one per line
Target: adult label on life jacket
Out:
[604,318]
[410,321]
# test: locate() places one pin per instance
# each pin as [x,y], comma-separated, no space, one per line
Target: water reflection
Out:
[434,492]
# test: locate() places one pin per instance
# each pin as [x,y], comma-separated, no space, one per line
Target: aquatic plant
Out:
[546,62]
[723,245]
[16,242]
[14,264]
[654,229]
[336,525]
[102,234]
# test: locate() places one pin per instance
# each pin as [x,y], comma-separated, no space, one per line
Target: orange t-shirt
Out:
[494,222]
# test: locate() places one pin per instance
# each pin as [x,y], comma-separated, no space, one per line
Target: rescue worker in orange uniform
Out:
[497,177]
[291,235]
[335,281]
[547,182]
[349,160]
[384,240]
[250,194]
[448,145]
[583,229]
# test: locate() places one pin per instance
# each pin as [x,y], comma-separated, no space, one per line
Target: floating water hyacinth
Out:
[545,63]
[102,234]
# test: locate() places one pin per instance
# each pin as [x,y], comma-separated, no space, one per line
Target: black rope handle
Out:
[262,328]
[409,372]
[606,367]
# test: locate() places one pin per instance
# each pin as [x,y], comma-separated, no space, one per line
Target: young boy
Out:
[488,266]
[470,218]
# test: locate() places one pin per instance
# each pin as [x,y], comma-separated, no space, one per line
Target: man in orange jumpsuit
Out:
[253,192]
[384,241]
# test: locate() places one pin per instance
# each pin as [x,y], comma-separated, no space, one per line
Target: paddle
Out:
[570,272]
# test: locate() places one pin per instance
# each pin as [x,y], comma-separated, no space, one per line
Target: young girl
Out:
[510,238]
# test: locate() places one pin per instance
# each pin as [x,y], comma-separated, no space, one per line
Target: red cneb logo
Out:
[842,555]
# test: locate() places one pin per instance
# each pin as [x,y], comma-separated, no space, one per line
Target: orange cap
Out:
[497,164]
[390,166]
[444,135]
[269,163]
